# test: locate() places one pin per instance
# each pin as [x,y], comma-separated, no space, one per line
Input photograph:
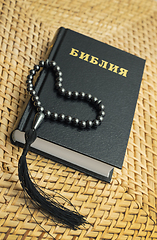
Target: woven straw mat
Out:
[126,208]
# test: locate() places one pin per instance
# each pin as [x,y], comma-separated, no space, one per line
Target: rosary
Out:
[52,207]
[97,104]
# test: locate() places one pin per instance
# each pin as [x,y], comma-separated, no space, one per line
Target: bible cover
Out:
[89,66]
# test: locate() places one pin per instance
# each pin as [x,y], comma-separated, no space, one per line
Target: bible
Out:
[88,66]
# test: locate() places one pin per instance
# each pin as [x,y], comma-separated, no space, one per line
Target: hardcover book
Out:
[89,66]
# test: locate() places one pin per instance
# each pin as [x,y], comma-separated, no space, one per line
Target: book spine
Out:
[28,107]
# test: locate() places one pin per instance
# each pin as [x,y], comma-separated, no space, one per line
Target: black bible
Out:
[89,66]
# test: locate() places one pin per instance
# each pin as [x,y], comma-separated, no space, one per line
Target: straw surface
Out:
[125,209]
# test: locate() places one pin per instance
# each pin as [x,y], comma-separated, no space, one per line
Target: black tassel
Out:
[44,201]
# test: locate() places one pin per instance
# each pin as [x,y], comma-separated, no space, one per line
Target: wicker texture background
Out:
[126,208]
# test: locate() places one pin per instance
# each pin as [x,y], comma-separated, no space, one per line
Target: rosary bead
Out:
[33,92]
[94,100]
[40,109]
[37,103]
[61,91]
[35,98]
[81,95]
[52,64]
[75,94]
[82,124]
[61,117]
[97,103]
[29,85]
[29,89]
[56,68]
[47,113]
[37,68]
[102,113]
[101,107]
[100,118]
[75,121]
[32,72]
[59,79]
[68,119]
[41,63]
[28,81]
[30,77]
[58,85]
[89,123]
[88,97]
[96,123]
[59,74]
[54,116]
[68,94]
[46,64]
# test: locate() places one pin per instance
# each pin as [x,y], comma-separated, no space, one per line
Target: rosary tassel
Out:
[42,200]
